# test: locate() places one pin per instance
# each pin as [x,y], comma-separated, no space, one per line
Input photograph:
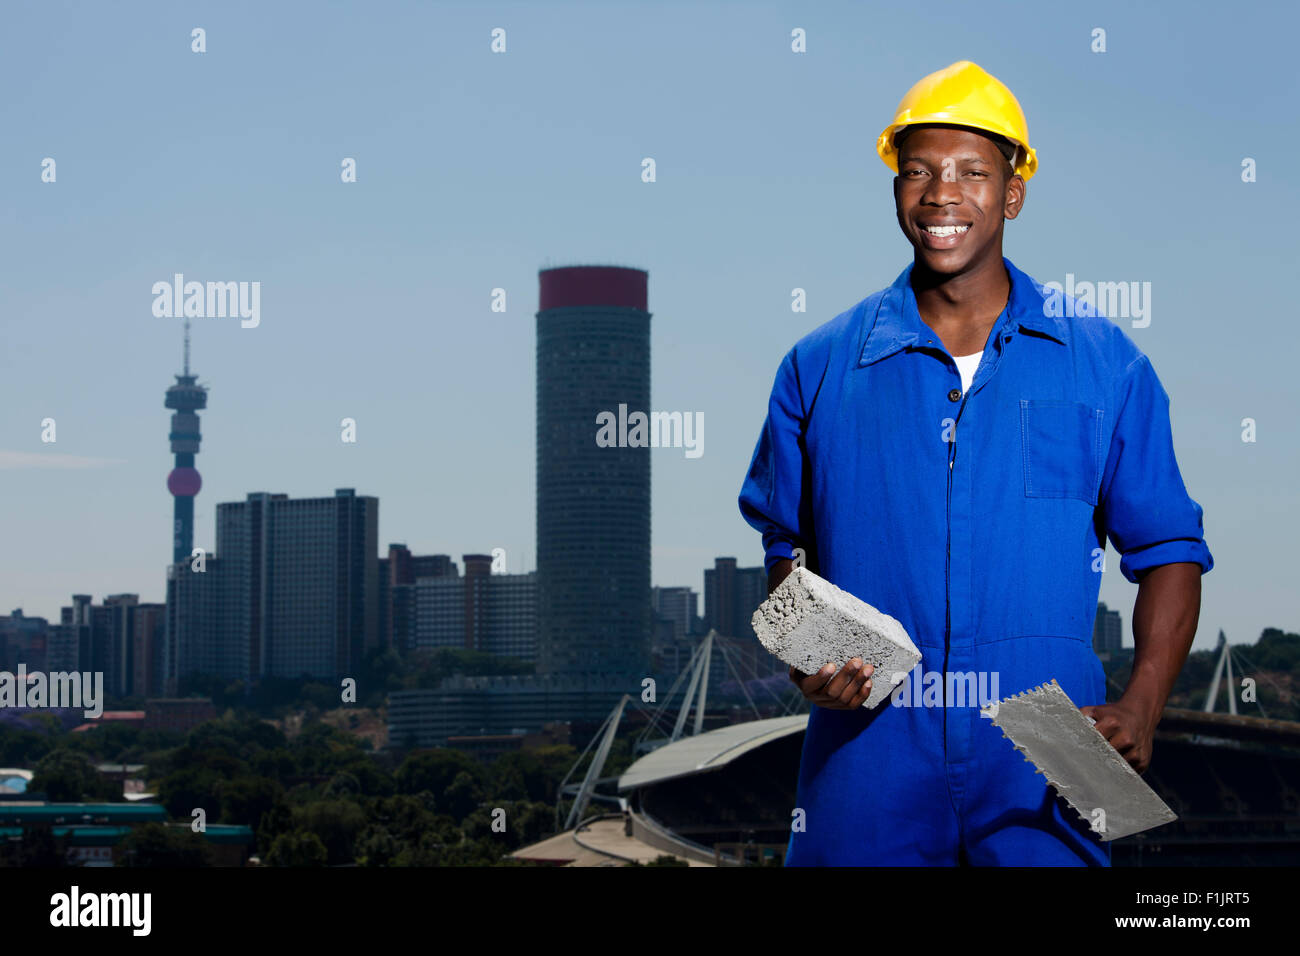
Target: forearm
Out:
[1164,623]
[778,573]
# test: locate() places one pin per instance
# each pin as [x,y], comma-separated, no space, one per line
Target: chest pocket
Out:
[1061,445]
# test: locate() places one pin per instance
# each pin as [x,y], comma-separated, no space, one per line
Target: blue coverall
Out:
[979,521]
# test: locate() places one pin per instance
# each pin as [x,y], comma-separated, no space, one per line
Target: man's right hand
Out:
[846,690]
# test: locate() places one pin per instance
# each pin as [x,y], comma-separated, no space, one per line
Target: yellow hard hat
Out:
[962,95]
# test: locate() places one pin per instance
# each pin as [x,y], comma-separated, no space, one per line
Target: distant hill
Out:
[1272,663]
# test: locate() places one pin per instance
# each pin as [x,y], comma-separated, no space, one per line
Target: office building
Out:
[1107,632]
[24,640]
[731,595]
[293,591]
[397,576]
[480,611]
[593,502]
[679,606]
[474,706]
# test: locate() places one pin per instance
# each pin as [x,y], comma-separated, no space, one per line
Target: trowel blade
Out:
[1078,762]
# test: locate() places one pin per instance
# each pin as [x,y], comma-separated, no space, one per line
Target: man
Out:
[955,451]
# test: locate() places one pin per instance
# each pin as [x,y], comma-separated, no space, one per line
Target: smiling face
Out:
[953,191]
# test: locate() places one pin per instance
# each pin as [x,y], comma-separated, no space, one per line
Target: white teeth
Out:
[946,230]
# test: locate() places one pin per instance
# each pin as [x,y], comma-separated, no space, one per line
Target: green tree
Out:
[434,770]
[37,848]
[245,799]
[373,780]
[462,796]
[157,846]
[184,790]
[525,822]
[343,786]
[322,696]
[298,848]
[1276,650]
[544,768]
[275,821]
[406,818]
[276,763]
[337,823]
[377,847]
[66,776]
[21,748]
[521,775]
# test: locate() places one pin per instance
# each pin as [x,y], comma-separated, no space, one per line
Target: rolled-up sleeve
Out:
[1150,518]
[774,497]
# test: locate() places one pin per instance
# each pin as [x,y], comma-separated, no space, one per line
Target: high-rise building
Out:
[593,502]
[397,576]
[439,614]
[115,644]
[731,595]
[23,640]
[61,648]
[679,606]
[1107,632]
[125,641]
[720,596]
[510,621]
[292,591]
[201,635]
[147,629]
[74,650]
[69,645]
[478,568]
[121,638]
[480,611]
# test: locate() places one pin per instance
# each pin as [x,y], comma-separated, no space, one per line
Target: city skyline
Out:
[475,171]
[382,550]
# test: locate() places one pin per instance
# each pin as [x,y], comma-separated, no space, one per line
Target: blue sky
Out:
[476,169]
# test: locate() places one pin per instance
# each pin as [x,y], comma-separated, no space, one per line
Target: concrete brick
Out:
[807,622]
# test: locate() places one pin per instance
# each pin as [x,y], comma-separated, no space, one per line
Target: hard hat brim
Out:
[888,152]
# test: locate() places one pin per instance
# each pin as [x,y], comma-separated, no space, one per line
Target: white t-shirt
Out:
[966,365]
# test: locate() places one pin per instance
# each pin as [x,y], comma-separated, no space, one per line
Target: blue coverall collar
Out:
[898,322]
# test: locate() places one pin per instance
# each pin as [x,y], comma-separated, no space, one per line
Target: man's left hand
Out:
[1129,727]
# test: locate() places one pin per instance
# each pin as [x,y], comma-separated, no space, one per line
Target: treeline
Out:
[317,798]
[1272,663]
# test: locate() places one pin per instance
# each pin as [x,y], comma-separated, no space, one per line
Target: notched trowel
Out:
[1078,762]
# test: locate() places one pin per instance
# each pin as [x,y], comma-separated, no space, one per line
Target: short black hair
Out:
[1008,149]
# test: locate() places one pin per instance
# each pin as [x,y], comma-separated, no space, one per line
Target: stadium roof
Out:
[711,751]
[599,842]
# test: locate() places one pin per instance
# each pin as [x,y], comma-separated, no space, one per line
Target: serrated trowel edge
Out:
[1156,808]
